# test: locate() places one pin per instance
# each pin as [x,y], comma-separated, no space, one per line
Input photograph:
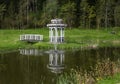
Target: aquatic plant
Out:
[104,69]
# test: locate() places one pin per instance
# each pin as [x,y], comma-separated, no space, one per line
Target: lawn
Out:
[74,38]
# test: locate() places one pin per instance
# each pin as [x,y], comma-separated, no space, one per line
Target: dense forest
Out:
[23,14]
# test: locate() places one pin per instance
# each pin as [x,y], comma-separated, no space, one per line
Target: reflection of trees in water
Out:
[34,70]
[30,69]
[91,65]
[3,67]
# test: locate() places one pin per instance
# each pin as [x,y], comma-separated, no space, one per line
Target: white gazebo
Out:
[56,31]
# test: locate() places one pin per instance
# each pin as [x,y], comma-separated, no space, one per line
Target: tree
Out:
[38,13]
[67,13]
[117,14]
[50,11]
[91,16]
[2,10]
[26,16]
[109,13]
[84,15]
[100,11]
[105,13]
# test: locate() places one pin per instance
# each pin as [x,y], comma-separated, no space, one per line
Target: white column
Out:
[56,35]
[50,34]
[61,34]
[35,38]
[20,37]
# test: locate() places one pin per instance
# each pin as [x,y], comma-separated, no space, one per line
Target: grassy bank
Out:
[110,80]
[74,38]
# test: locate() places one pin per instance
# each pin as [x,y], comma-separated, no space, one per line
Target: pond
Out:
[32,66]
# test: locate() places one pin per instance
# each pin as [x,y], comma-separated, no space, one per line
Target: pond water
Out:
[32,66]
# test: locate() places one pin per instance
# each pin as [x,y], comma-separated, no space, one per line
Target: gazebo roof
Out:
[56,23]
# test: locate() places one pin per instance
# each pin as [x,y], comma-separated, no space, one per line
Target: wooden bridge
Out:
[31,37]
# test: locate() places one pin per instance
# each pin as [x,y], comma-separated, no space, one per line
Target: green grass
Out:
[75,38]
[9,39]
[110,80]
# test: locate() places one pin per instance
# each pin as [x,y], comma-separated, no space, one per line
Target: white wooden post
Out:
[51,34]
[56,35]
[61,34]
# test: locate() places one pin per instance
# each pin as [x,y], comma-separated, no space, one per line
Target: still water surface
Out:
[32,66]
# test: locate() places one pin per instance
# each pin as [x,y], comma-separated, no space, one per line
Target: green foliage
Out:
[104,72]
[24,14]
[71,78]
[50,11]
[117,15]
[2,9]
[67,12]
[84,8]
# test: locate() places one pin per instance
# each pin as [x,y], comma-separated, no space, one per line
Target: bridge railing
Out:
[31,37]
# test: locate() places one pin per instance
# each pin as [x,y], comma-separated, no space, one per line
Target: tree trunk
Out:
[106,15]
[89,23]
[98,22]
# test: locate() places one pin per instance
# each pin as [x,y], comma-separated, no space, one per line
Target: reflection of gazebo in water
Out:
[56,61]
